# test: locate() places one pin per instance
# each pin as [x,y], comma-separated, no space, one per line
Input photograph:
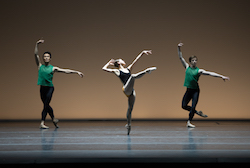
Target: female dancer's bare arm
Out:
[38,63]
[184,63]
[147,52]
[111,62]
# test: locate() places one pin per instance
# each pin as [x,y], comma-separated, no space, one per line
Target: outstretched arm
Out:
[203,72]
[67,71]
[147,52]
[184,63]
[38,63]
[111,62]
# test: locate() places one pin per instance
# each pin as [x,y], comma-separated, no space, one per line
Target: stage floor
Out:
[107,142]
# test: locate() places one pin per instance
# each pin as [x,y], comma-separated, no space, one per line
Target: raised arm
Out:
[204,72]
[67,71]
[184,63]
[111,62]
[147,52]
[37,59]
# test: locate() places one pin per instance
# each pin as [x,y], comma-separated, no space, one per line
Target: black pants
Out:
[194,95]
[46,95]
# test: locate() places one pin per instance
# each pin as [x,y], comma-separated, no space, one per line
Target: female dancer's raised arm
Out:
[111,62]
[147,52]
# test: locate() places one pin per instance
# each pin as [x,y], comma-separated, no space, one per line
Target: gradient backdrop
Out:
[84,35]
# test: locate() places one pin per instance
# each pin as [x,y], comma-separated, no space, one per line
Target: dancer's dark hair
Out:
[47,52]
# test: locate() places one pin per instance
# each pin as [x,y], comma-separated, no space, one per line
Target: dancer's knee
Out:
[128,92]
[183,106]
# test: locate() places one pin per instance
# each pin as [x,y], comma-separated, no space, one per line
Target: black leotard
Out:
[124,77]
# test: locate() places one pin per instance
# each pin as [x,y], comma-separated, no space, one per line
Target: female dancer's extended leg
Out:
[128,87]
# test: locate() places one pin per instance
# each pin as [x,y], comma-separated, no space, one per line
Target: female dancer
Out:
[45,76]
[128,80]
[191,82]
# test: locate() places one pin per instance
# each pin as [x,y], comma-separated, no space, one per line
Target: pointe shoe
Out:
[149,70]
[190,125]
[55,121]
[128,128]
[42,126]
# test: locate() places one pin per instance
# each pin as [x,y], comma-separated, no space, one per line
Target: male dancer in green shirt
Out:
[45,76]
[191,82]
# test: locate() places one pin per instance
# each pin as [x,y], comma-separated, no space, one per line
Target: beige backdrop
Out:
[84,35]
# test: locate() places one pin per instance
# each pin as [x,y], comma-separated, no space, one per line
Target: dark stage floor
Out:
[106,141]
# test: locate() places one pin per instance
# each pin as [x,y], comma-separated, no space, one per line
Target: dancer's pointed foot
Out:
[149,70]
[128,128]
[55,121]
[200,113]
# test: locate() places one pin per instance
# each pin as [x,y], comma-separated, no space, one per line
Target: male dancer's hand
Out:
[80,74]
[40,41]
[180,44]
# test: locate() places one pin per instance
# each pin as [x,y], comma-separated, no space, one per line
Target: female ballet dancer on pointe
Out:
[128,80]
[45,76]
[191,82]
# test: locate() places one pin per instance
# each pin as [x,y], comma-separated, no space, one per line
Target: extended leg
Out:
[140,74]
[128,87]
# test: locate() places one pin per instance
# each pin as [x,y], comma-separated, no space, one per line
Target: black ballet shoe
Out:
[55,121]
[200,113]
